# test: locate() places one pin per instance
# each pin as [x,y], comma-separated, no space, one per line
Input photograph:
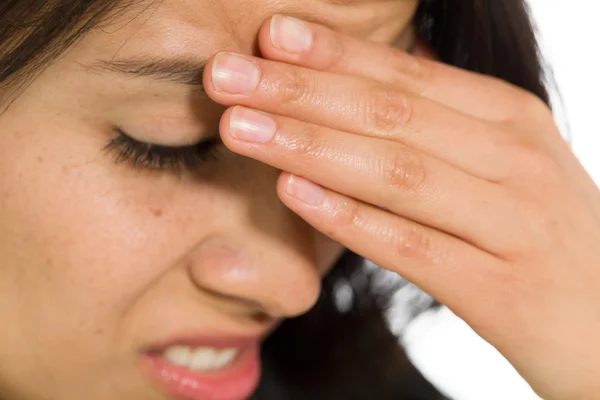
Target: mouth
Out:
[206,369]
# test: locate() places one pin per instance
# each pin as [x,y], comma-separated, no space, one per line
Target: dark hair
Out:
[328,353]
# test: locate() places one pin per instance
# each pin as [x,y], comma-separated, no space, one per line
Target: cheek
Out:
[74,234]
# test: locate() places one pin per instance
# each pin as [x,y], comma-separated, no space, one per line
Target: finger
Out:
[389,175]
[464,278]
[359,106]
[318,47]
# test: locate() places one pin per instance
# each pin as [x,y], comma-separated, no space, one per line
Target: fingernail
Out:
[251,126]
[290,34]
[234,74]
[305,191]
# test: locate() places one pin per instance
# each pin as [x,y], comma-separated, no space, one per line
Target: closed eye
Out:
[162,158]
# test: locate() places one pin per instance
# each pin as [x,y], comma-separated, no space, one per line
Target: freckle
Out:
[157,212]
[6,195]
[40,159]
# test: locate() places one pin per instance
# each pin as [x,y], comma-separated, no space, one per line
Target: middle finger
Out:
[390,175]
[363,107]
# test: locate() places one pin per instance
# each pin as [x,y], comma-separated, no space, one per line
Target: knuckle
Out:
[307,146]
[406,171]
[389,111]
[413,243]
[296,87]
[347,214]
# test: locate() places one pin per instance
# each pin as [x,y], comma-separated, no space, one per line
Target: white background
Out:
[441,345]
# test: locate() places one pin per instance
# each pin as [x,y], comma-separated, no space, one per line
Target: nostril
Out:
[262,318]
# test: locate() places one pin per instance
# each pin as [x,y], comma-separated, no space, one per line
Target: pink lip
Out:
[235,382]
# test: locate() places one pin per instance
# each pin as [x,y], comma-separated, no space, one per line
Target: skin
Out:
[502,228]
[100,260]
[475,198]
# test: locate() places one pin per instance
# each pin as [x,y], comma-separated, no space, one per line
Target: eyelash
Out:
[162,158]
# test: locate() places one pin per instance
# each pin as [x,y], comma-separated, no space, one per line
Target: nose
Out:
[253,255]
[257,274]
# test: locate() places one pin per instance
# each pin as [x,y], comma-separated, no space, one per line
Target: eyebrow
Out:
[181,71]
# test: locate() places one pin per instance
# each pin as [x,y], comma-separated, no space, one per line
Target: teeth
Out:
[201,358]
[226,357]
[178,355]
[204,359]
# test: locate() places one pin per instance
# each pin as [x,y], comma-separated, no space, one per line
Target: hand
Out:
[461,183]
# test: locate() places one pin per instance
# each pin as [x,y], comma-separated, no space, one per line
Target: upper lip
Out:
[215,340]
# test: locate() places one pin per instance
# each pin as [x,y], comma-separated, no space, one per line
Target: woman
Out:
[150,243]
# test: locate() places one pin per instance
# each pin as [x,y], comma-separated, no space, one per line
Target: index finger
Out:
[470,93]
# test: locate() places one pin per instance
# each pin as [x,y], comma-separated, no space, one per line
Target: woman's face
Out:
[101,262]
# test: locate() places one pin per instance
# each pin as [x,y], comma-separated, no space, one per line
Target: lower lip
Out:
[236,382]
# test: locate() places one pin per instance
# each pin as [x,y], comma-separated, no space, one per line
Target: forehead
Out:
[179,27]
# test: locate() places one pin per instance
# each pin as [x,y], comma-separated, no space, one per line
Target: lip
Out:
[236,382]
